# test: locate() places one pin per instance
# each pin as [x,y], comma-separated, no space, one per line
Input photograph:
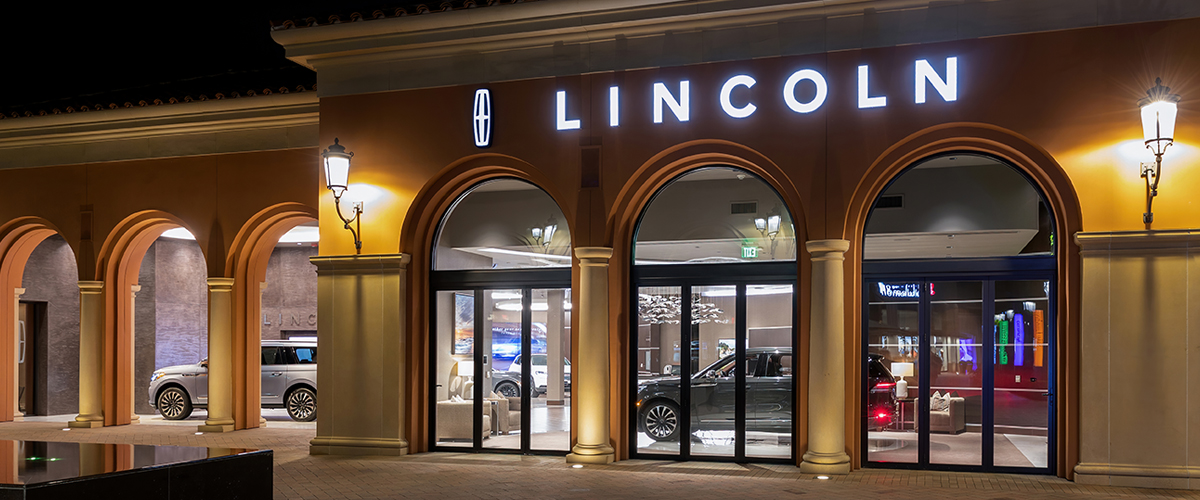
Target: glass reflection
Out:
[714,389]
[769,387]
[893,355]
[955,373]
[454,409]
[658,368]
[1022,374]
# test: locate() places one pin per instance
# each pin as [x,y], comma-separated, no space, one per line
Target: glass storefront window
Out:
[959,206]
[715,215]
[658,358]
[503,224]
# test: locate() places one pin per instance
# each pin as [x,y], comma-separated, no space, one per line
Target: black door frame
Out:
[686,277]
[988,272]
[478,282]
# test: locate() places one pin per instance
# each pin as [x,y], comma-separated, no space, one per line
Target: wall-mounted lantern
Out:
[1158,128]
[337,176]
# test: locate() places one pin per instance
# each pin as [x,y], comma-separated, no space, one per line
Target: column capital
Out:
[361,264]
[594,255]
[827,248]
[220,284]
[91,287]
[18,292]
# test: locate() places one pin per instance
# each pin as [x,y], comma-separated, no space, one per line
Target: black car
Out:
[881,394]
[769,400]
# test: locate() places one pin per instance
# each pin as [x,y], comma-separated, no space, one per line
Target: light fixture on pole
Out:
[543,236]
[337,174]
[1158,128]
[769,227]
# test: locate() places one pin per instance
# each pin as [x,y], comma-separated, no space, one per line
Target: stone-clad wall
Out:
[50,278]
[170,312]
[289,303]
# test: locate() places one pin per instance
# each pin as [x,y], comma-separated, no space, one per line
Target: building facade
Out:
[851,196]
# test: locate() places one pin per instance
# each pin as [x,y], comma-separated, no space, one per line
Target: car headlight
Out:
[157,375]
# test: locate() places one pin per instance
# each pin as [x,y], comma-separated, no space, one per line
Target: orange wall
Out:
[213,195]
[1072,93]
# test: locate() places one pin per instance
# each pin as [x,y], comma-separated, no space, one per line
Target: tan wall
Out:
[1138,403]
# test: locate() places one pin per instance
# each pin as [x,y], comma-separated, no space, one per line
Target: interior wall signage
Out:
[481,116]
[900,290]
[677,99]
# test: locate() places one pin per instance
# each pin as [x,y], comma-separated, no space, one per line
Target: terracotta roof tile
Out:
[30,112]
[410,9]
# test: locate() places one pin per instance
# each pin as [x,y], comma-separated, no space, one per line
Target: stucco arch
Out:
[246,263]
[18,238]
[417,235]
[1061,197]
[633,198]
[117,268]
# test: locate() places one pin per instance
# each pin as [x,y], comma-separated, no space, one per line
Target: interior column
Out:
[220,356]
[16,384]
[91,355]
[826,362]
[133,291]
[590,379]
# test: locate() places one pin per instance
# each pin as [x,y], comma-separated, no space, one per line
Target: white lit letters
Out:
[947,88]
[562,121]
[679,107]
[864,92]
[745,104]
[727,89]
[789,91]
[614,106]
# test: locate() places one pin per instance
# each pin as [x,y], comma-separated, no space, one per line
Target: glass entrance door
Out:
[503,369]
[958,373]
[714,379]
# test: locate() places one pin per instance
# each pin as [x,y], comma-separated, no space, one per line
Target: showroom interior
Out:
[906,240]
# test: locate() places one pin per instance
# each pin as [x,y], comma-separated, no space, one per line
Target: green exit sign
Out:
[749,252]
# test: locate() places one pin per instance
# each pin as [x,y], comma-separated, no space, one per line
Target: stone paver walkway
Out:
[299,475]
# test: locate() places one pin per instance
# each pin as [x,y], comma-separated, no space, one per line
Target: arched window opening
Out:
[503,224]
[715,215]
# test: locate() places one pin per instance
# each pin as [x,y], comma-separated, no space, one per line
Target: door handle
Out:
[276,374]
[1046,394]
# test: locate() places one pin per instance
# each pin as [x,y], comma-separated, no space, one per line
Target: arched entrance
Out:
[959,317]
[500,334]
[714,380]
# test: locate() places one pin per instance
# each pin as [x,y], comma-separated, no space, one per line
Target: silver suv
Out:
[289,380]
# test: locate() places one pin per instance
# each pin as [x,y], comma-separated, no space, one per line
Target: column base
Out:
[323,445]
[206,427]
[1138,476]
[135,419]
[591,454]
[825,463]
[85,424]
[262,422]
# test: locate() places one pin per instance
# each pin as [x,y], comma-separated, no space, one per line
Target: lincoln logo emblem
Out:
[483,118]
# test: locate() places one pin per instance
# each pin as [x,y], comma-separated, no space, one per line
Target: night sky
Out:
[60,55]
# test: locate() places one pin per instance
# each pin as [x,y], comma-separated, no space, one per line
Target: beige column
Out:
[133,291]
[361,362]
[827,362]
[91,355]
[16,380]
[589,380]
[262,289]
[220,356]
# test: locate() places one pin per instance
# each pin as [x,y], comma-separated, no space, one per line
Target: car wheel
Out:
[174,404]
[508,389]
[302,405]
[661,421]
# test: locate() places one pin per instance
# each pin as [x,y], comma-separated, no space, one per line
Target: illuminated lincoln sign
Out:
[671,102]
[482,118]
